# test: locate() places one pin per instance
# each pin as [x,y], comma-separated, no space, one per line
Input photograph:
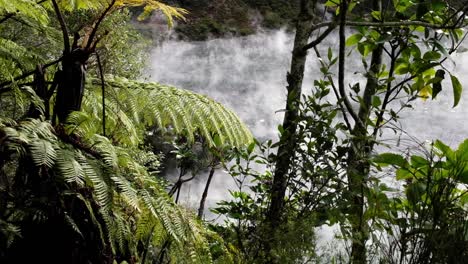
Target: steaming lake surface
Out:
[248,75]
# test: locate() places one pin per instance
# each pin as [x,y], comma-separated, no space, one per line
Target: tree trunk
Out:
[287,146]
[71,81]
[362,144]
[205,193]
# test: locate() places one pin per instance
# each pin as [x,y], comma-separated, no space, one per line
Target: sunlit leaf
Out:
[457,90]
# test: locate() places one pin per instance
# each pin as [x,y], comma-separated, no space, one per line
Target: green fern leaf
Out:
[43,153]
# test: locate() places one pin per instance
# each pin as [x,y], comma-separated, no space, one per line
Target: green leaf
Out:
[431,55]
[445,150]
[354,39]
[403,174]
[251,148]
[402,5]
[391,159]
[418,161]
[365,48]
[414,192]
[377,15]
[376,102]
[457,90]
[463,176]
[462,151]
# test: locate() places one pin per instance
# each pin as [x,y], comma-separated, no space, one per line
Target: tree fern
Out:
[100,187]
[168,107]
[130,203]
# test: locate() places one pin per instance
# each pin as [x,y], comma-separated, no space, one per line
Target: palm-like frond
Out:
[43,153]
[28,8]
[111,179]
[127,204]
[183,111]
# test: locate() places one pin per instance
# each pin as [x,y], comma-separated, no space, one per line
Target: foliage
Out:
[126,205]
[403,47]
[134,106]
[313,191]
[89,185]
[217,19]
[429,219]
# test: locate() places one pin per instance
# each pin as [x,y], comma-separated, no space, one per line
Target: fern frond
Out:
[43,153]
[128,192]
[72,224]
[186,112]
[153,5]
[71,5]
[101,188]
[93,218]
[28,8]
[70,168]
[106,149]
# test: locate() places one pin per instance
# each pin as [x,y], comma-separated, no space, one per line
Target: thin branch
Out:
[387,94]
[63,26]
[319,38]
[96,26]
[4,89]
[205,193]
[341,66]
[387,24]
[103,86]
[335,91]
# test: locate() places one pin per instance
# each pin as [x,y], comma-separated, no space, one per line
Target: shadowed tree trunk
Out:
[71,81]
[287,144]
[205,193]
[362,144]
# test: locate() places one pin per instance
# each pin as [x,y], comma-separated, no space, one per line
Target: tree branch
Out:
[63,26]
[320,38]
[335,91]
[386,24]
[205,193]
[3,85]
[96,26]
[387,93]
[341,66]
[103,87]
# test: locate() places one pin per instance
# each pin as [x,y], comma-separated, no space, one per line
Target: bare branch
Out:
[3,85]
[96,26]
[63,26]
[320,38]
[341,67]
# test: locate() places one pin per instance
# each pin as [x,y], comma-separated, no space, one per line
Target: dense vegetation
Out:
[82,168]
[212,19]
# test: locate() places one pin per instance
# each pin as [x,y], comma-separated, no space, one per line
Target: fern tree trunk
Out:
[287,144]
[362,144]
[70,86]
